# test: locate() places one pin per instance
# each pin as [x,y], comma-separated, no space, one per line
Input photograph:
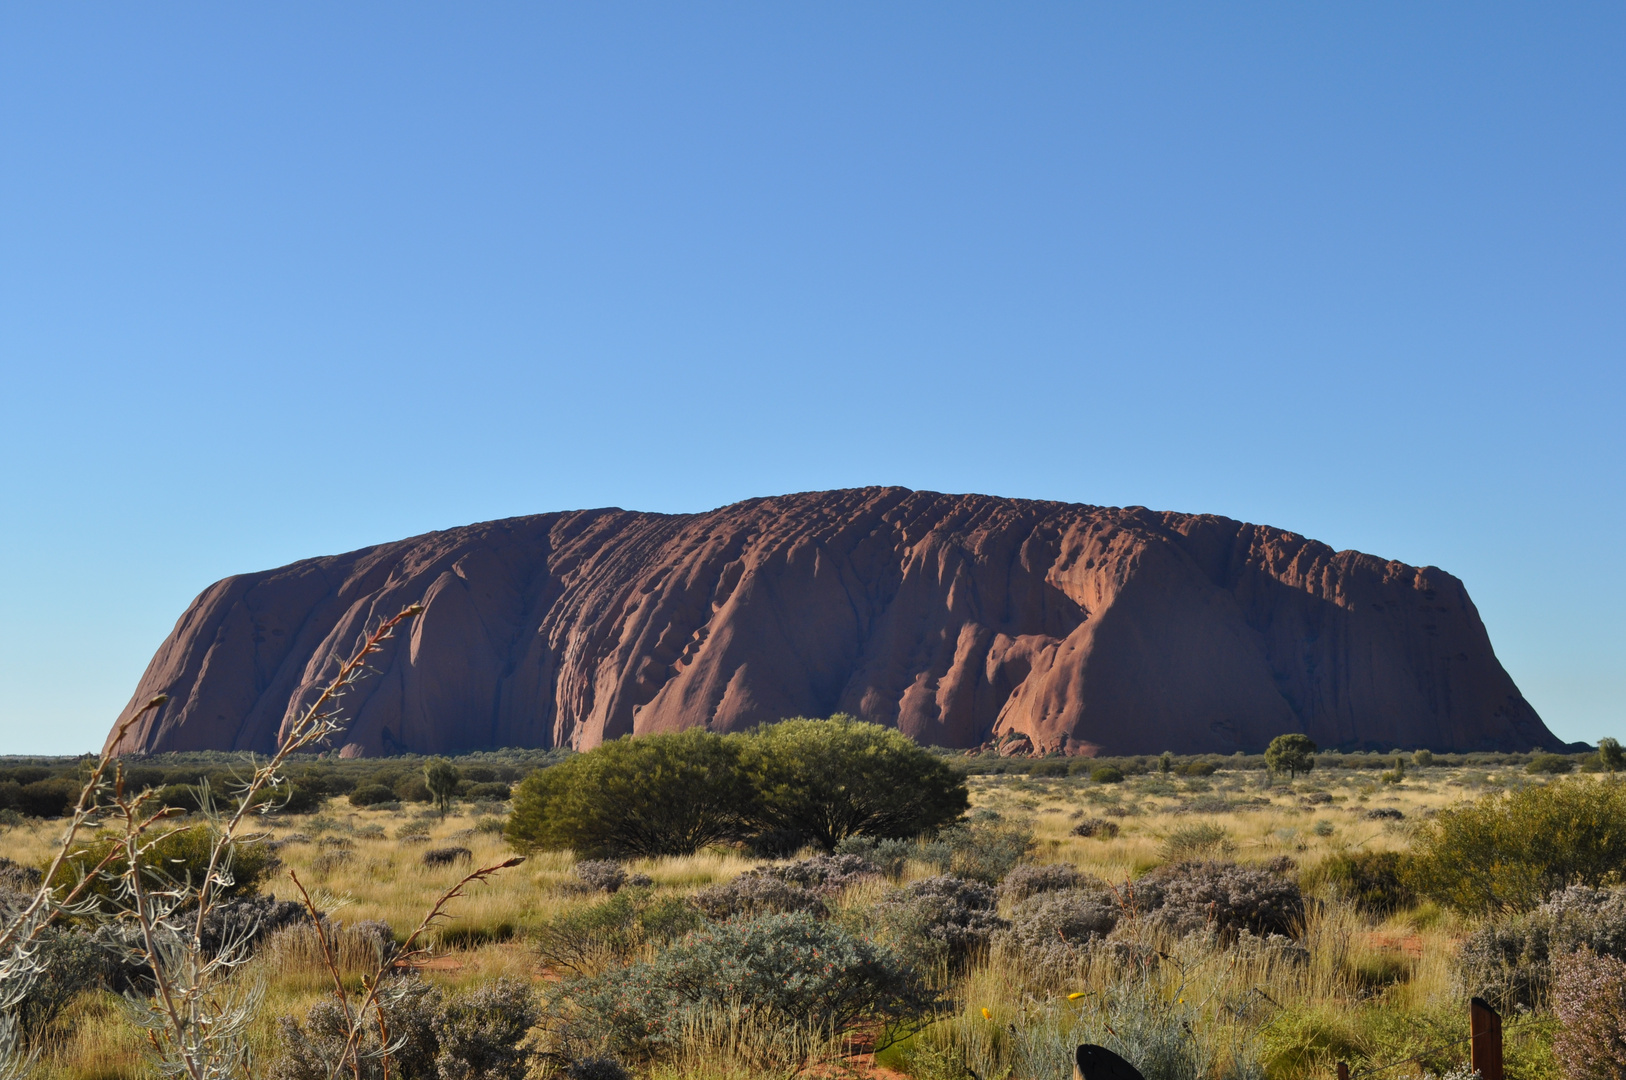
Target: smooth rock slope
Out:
[959,618]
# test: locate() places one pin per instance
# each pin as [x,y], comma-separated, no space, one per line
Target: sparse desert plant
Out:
[792,971]
[1512,850]
[825,873]
[1610,755]
[323,1044]
[1222,897]
[1590,1002]
[1510,960]
[480,1033]
[1099,828]
[653,795]
[1375,881]
[447,856]
[1195,841]
[945,917]
[1030,880]
[984,849]
[826,780]
[601,875]
[615,930]
[1050,933]
[757,894]
[887,855]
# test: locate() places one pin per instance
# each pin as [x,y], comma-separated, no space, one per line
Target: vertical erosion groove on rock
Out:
[959,619]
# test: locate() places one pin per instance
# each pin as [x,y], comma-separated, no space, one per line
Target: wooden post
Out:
[1485,1045]
[1343,1071]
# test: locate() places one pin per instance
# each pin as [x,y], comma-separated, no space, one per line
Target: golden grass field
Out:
[1364,979]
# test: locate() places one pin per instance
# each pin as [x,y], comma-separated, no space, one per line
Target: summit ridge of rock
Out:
[959,619]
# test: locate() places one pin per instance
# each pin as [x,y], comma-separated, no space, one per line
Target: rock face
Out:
[958,618]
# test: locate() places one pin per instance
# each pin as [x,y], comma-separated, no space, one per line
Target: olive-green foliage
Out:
[1610,755]
[1510,851]
[1107,774]
[826,780]
[371,795]
[985,849]
[177,857]
[652,795]
[1291,754]
[1375,881]
[441,778]
[1553,764]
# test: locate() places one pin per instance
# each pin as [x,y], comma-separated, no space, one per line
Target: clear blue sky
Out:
[284,280]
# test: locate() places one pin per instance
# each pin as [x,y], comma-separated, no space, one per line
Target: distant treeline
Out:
[46,786]
[1206,764]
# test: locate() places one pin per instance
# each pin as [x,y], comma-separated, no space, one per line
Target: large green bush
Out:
[652,795]
[783,785]
[1510,851]
[825,780]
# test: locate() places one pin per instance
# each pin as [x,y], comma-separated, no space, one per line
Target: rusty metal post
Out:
[1485,1045]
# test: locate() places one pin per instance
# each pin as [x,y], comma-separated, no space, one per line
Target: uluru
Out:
[960,619]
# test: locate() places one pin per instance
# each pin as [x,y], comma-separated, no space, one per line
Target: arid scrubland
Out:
[1369,987]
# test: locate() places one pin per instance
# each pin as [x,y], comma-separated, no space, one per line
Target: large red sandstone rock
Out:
[958,618]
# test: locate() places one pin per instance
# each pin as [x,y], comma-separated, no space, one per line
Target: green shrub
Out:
[180,856]
[1196,768]
[645,796]
[1550,764]
[984,849]
[788,972]
[614,930]
[289,799]
[472,1034]
[372,795]
[1107,774]
[826,780]
[47,798]
[1610,756]
[1375,881]
[1512,850]
[494,791]
[413,788]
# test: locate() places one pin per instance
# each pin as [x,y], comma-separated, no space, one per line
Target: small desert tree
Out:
[650,795]
[1610,755]
[1291,754]
[441,777]
[826,780]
